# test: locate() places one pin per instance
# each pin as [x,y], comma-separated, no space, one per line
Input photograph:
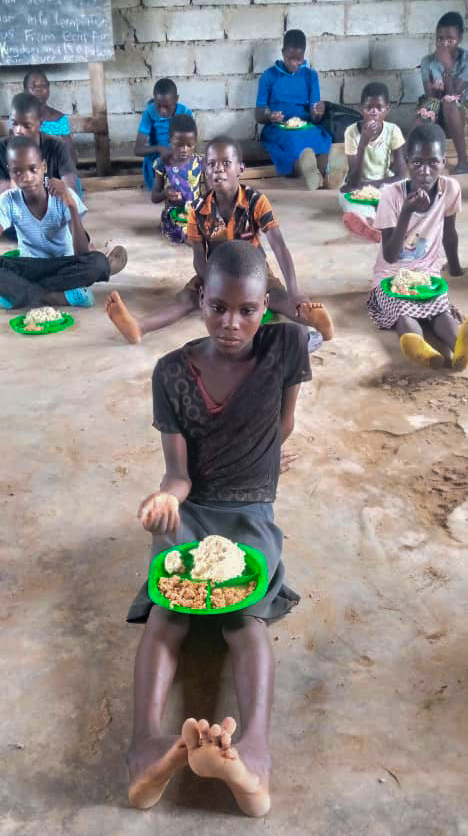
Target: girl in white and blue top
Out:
[55,265]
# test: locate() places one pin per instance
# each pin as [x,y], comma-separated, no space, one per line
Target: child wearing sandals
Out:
[55,266]
[374,150]
[179,178]
[229,211]
[417,220]
[221,472]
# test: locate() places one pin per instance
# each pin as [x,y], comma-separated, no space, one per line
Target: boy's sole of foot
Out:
[123,320]
[210,755]
[358,226]
[146,790]
[460,353]
[117,259]
[309,169]
[315,315]
[415,348]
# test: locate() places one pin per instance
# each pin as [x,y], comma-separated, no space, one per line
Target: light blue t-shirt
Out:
[156,127]
[49,237]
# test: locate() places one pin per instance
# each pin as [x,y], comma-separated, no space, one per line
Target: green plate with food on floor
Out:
[40,321]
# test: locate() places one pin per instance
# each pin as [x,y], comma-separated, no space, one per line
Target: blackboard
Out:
[55,31]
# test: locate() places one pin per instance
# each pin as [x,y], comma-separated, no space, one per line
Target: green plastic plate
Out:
[51,327]
[302,128]
[256,569]
[11,254]
[425,292]
[178,216]
[268,316]
[349,197]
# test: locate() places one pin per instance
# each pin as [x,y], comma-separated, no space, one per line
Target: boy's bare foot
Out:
[117,259]
[123,320]
[210,755]
[151,766]
[360,227]
[314,314]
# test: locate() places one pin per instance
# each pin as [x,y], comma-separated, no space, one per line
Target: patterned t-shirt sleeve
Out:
[193,233]
[159,167]
[82,210]
[453,201]
[164,417]
[425,68]
[263,215]
[350,141]
[5,210]
[296,356]
[397,138]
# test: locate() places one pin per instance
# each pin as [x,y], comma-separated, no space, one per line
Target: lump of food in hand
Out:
[366,193]
[295,122]
[183,593]
[37,316]
[218,559]
[226,596]
[406,281]
[173,563]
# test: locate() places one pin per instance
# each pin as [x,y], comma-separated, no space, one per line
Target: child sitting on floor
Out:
[374,149]
[417,219]
[178,179]
[152,139]
[291,89]
[229,211]
[222,467]
[55,266]
[445,77]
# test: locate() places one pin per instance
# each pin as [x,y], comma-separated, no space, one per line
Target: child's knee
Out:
[166,625]
[99,265]
[241,628]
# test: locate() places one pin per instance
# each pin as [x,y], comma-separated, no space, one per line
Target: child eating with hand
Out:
[291,89]
[229,211]
[178,178]
[152,141]
[445,78]
[221,472]
[374,150]
[56,266]
[417,220]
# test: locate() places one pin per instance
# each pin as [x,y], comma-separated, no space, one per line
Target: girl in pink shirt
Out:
[417,220]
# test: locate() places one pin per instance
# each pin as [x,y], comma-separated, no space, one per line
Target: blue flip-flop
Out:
[80,297]
[5,303]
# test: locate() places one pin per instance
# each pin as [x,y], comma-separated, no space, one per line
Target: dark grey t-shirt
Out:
[233,455]
[54,151]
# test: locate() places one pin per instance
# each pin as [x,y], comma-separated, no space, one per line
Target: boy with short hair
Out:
[229,211]
[25,120]
[374,149]
[221,473]
[152,139]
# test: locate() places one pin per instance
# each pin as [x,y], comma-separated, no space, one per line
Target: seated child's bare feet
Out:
[117,259]
[122,318]
[210,755]
[151,766]
[314,314]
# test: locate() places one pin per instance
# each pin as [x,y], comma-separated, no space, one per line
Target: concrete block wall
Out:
[216,50]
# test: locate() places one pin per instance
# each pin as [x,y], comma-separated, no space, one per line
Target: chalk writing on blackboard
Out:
[55,31]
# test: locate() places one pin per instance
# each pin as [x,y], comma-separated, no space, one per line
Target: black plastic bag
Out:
[337,118]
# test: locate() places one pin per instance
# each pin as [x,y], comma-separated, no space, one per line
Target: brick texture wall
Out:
[216,50]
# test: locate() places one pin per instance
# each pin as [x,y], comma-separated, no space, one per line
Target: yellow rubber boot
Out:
[460,353]
[415,348]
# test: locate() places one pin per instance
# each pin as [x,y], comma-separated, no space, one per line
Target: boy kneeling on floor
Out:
[56,266]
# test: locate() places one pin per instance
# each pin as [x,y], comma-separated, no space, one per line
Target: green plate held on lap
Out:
[11,254]
[424,292]
[256,569]
[51,327]
[349,197]
[301,128]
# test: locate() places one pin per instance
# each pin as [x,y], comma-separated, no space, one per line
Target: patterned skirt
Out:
[384,310]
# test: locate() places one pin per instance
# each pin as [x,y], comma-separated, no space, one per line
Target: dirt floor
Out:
[370,727]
